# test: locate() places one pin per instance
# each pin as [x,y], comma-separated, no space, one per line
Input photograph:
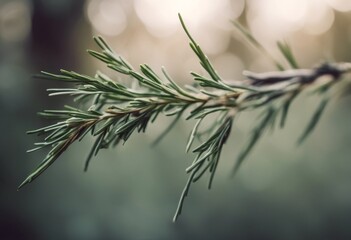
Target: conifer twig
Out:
[115,111]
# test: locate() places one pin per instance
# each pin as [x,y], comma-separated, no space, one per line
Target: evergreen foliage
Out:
[115,111]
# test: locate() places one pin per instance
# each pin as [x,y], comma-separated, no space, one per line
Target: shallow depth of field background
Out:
[281,191]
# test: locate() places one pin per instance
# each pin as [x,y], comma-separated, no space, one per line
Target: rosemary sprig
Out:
[112,112]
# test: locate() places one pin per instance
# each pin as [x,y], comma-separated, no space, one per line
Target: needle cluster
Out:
[112,111]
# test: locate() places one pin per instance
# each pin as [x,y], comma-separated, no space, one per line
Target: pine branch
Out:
[115,111]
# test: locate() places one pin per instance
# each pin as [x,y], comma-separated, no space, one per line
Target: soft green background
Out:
[281,192]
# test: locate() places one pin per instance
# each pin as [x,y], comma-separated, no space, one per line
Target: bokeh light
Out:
[340,5]
[159,16]
[107,16]
[321,20]
[272,20]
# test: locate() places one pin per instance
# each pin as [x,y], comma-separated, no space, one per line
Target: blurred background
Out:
[281,192]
